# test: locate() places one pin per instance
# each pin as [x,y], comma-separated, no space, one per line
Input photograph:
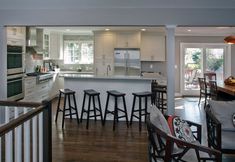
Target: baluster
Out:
[0,149]
[8,138]
[18,139]
[35,136]
[40,137]
[26,139]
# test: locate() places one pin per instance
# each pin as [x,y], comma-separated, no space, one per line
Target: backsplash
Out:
[153,66]
[31,63]
[83,67]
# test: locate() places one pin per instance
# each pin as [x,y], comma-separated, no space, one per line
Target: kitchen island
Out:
[125,84]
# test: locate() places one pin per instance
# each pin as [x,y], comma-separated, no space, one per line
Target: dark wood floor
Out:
[100,144]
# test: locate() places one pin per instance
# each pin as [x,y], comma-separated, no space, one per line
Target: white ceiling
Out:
[180,31]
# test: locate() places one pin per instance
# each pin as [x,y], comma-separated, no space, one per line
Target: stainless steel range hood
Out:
[34,40]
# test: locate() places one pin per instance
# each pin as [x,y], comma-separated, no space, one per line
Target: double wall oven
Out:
[15,75]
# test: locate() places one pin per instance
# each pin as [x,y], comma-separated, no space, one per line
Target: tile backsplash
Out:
[154,67]
[76,67]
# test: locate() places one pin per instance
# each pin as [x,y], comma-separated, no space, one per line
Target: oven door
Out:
[14,59]
[15,87]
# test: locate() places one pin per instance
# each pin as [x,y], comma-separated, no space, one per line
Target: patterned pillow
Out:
[180,129]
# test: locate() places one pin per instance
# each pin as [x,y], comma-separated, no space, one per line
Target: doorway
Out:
[198,58]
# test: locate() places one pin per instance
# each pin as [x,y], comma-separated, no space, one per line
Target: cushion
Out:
[180,129]
[227,138]
[223,111]
[158,119]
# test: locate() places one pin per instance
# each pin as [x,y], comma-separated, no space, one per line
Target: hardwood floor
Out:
[100,144]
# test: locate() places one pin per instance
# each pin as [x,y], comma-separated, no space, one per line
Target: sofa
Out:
[220,118]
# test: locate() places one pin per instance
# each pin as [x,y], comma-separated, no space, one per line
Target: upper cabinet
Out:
[56,46]
[104,43]
[16,35]
[46,44]
[128,39]
[153,46]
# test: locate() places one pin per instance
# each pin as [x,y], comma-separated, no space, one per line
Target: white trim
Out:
[227,63]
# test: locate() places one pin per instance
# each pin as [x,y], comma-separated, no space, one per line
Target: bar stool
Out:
[115,114]
[160,97]
[67,94]
[140,95]
[91,94]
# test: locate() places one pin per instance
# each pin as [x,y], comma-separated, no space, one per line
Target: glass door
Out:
[215,61]
[198,58]
[192,69]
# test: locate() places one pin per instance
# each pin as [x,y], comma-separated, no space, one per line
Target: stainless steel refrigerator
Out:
[127,61]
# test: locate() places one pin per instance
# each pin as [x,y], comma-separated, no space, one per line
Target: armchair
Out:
[164,147]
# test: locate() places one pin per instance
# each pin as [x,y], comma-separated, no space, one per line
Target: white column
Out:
[3,65]
[170,50]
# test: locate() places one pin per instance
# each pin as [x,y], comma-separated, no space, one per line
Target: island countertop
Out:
[113,77]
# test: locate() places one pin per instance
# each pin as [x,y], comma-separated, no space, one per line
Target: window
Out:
[78,51]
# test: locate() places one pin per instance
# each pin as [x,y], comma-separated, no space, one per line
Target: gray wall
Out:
[113,12]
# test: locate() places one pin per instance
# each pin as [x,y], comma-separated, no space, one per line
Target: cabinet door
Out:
[128,40]
[16,36]
[104,49]
[55,46]
[152,47]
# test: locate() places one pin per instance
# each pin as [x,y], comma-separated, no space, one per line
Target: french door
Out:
[197,58]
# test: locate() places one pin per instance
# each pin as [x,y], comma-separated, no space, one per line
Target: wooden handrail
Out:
[20,104]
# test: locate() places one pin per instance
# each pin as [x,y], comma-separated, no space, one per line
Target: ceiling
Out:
[180,31]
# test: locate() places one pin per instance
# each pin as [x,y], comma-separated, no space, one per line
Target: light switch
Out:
[151,66]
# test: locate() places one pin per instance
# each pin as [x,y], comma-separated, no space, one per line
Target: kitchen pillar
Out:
[3,69]
[170,51]
[3,65]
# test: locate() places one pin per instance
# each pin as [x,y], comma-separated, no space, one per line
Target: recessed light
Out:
[67,29]
[143,29]
[189,30]
[107,29]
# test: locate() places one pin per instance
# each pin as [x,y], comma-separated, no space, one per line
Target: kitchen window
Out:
[79,51]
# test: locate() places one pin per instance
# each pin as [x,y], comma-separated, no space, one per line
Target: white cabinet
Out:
[104,51]
[153,47]
[16,36]
[56,46]
[128,40]
[46,44]
[36,92]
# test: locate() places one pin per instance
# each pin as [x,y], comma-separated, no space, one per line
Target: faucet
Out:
[108,69]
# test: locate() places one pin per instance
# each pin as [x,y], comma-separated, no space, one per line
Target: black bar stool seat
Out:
[91,94]
[141,111]
[115,112]
[67,94]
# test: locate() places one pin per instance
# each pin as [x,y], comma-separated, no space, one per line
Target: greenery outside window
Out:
[78,52]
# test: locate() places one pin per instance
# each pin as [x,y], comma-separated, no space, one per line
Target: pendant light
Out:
[230,39]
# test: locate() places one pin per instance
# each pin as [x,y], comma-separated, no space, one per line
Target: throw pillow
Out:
[158,119]
[180,129]
[223,111]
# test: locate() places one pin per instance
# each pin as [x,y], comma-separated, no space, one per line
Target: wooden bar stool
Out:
[67,94]
[91,94]
[141,111]
[116,110]
[161,97]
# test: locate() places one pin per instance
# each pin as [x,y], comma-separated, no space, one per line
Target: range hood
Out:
[34,40]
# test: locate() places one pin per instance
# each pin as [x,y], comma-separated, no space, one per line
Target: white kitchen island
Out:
[125,84]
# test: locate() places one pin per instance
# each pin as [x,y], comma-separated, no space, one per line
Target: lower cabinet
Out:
[36,92]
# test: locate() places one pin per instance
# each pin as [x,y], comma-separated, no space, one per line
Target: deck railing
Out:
[25,132]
